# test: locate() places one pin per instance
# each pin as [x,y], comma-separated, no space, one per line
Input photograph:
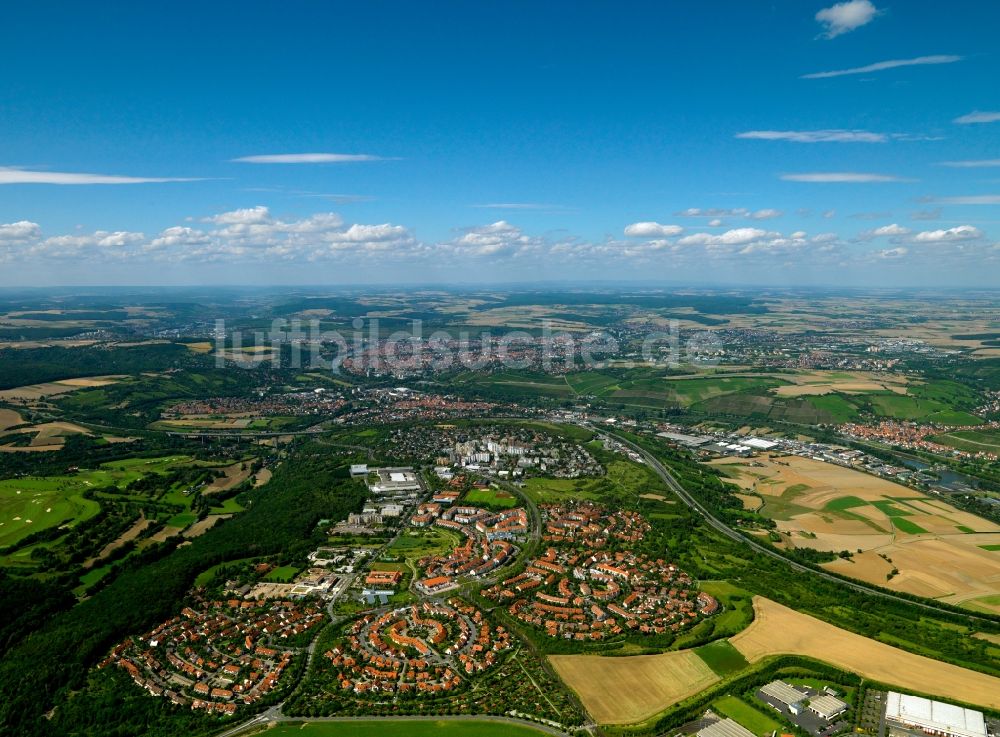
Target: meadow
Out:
[492,498]
[740,711]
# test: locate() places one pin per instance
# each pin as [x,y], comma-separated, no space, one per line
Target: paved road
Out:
[273,715]
[729,532]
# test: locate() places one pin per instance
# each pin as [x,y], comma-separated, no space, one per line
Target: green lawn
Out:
[404,728]
[282,574]
[416,544]
[36,503]
[182,519]
[722,658]
[738,710]
[496,498]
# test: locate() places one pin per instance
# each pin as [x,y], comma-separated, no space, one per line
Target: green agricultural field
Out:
[591,382]
[495,498]
[722,658]
[691,391]
[986,441]
[910,528]
[843,503]
[991,548]
[838,408]
[919,408]
[753,719]
[405,728]
[889,509]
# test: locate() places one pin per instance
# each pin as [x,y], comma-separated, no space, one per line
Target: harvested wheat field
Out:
[814,383]
[778,630]
[204,525]
[9,418]
[937,550]
[625,690]
[235,475]
[35,392]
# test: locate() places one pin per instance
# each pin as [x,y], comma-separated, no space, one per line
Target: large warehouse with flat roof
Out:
[933,717]
[725,728]
[781,691]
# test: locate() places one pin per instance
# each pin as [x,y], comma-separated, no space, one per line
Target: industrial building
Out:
[691,441]
[394,482]
[827,706]
[725,728]
[785,694]
[910,713]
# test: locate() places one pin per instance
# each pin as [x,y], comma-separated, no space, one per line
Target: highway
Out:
[729,532]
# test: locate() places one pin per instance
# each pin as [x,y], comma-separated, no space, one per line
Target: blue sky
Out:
[500,141]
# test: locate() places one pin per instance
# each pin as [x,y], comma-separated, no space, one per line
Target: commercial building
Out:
[827,706]
[785,694]
[393,482]
[725,728]
[933,717]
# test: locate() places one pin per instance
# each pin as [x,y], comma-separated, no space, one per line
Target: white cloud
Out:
[492,240]
[313,158]
[886,231]
[178,236]
[977,116]
[972,164]
[832,135]
[13,175]
[982,199]
[893,253]
[244,216]
[652,230]
[737,212]
[22,230]
[958,233]
[100,244]
[715,222]
[734,237]
[891,64]
[846,17]
[841,177]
